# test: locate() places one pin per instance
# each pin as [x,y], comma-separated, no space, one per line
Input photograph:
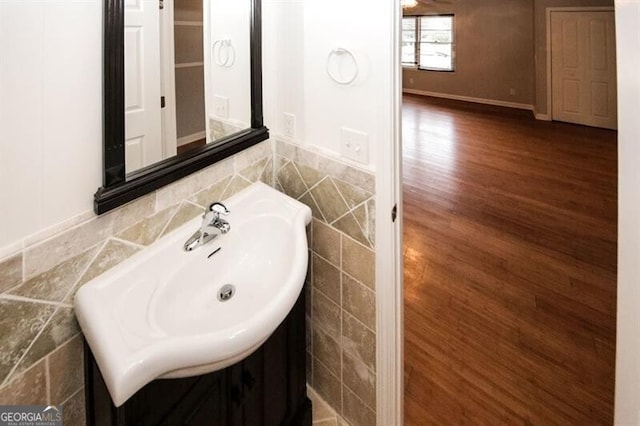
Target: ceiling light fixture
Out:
[408,3]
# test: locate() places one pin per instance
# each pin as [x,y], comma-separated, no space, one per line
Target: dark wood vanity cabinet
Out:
[266,389]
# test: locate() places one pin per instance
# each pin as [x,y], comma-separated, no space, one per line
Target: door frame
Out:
[168,80]
[389,285]
[549,11]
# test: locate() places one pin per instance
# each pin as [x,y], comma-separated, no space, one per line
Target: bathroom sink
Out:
[169,313]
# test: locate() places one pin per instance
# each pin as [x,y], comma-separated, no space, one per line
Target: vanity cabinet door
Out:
[267,388]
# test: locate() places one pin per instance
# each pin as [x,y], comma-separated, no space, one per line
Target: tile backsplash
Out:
[41,345]
[341,311]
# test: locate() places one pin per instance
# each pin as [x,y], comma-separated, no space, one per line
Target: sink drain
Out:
[226,292]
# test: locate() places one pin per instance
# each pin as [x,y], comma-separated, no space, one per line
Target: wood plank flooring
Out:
[510,267]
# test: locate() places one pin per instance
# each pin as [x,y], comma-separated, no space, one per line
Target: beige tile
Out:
[342,422]
[310,176]
[321,410]
[326,314]
[297,154]
[359,341]
[359,301]
[185,213]
[355,411]
[359,379]
[365,214]
[148,230]
[236,185]
[327,422]
[291,181]
[113,253]
[351,227]
[359,262]
[327,350]
[326,278]
[29,388]
[54,284]
[252,155]
[279,162]
[66,371]
[20,323]
[73,410]
[327,385]
[360,178]
[44,256]
[353,195]
[267,173]
[326,242]
[62,327]
[211,194]
[181,190]
[10,272]
[253,172]
[329,200]
[308,200]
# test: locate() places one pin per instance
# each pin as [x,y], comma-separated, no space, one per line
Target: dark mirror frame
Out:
[118,188]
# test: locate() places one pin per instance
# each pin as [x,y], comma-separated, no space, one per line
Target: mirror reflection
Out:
[187,74]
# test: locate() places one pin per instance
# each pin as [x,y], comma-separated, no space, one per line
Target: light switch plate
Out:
[355,145]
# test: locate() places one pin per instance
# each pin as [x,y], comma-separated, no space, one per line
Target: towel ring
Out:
[224,54]
[339,52]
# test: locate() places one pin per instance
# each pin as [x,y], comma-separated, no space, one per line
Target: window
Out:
[427,42]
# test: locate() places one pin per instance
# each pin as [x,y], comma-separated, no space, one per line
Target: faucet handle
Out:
[218,208]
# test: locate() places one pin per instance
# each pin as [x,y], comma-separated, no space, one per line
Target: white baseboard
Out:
[469,99]
[191,138]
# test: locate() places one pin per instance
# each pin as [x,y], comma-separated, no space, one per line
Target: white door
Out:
[583,68]
[143,122]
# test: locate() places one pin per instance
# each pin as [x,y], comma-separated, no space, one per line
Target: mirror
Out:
[182,90]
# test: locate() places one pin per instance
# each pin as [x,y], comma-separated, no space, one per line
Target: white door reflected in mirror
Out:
[187,76]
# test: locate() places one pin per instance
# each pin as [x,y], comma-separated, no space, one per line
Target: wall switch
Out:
[355,145]
[289,125]
[221,106]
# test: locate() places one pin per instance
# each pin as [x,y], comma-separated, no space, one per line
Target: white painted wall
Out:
[627,410]
[50,113]
[298,39]
[228,20]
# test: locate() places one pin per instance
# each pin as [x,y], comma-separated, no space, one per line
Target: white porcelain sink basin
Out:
[159,315]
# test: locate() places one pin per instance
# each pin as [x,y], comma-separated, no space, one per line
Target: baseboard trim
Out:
[469,99]
[191,138]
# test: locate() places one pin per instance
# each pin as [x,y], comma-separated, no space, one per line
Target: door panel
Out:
[583,68]
[143,143]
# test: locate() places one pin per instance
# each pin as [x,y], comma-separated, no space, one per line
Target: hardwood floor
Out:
[510,267]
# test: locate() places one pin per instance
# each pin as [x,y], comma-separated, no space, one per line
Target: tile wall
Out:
[341,316]
[40,342]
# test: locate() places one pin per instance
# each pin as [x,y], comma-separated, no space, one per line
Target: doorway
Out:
[510,279]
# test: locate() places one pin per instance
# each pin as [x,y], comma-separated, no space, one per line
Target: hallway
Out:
[510,267]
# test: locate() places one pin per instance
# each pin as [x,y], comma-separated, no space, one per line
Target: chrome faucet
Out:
[212,226]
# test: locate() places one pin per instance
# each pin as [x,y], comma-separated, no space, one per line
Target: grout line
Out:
[73,395]
[127,242]
[39,301]
[166,225]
